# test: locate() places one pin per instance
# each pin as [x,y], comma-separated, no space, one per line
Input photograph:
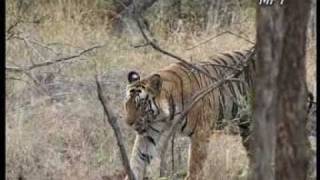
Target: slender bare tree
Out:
[279,133]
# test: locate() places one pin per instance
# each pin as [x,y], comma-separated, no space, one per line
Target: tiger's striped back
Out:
[182,82]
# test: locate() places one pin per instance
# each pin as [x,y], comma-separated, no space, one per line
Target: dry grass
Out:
[58,132]
[227,158]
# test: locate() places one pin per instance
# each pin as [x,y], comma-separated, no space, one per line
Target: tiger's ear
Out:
[133,76]
[156,82]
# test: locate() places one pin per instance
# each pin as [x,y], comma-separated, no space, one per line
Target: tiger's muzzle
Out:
[139,115]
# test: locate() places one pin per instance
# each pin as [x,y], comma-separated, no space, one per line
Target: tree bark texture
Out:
[279,113]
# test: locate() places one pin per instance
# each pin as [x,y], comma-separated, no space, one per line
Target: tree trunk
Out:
[292,143]
[279,133]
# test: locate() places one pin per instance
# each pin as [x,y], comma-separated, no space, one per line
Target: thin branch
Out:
[112,119]
[60,44]
[11,28]
[218,35]
[28,44]
[172,155]
[10,31]
[45,46]
[241,37]
[140,45]
[19,79]
[38,86]
[15,69]
[238,80]
[204,42]
[221,65]
[51,62]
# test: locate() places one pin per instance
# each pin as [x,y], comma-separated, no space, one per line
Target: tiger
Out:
[153,102]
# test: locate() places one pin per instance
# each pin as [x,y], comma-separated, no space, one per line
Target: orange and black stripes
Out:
[180,84]
[165,94]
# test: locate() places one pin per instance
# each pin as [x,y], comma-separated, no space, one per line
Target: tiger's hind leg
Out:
[200,123]
[197,156]
[198,151]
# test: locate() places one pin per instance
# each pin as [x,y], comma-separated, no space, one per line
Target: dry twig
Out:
[28,42]
[51,62]
[112,119]
[172,155]
[220,34]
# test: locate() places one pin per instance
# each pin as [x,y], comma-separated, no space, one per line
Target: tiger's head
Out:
[140,105]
